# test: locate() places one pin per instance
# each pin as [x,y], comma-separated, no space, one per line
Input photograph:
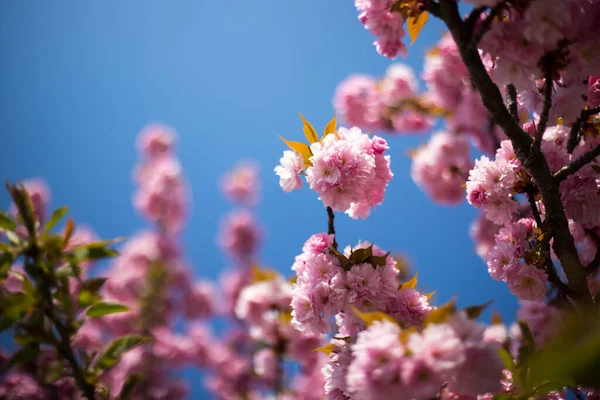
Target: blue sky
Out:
[80,79]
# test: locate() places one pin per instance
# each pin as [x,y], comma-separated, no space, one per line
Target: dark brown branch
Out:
[576,165]
[554,279]
[511,101]
[549,267]
[531,199]
[331,226]
[474,16]
[541,127]
[575,134]
[63,343]
[532,158]
[485,25]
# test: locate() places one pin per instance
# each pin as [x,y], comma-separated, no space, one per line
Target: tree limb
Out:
[485,25]
[330,226]
[576,165]
[531,158]
[574,135]
[511,101]
[541,127]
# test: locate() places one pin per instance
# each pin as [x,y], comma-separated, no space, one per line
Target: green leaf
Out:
[309,131]
[573,356]
[6,260]
[509,363]
[24,206]
[15,304]
[300,148]
[100,309]
[86,298]
[66,271]
[473,312]
[415,24]
[92,251]
[378,261]
[526,351]
[94,284]
[55,218]
[115,349]
[22,356]
[129,386]
[359,256]
[344,261]
[13,238]
[6,222]
[6,323]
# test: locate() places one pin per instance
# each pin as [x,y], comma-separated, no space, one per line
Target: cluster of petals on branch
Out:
[388,340]
[346,167]
[547,54]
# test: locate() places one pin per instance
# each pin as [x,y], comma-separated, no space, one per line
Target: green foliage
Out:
[111,355]
[6,222]
[57,215]
[129,387]
[473,312]
[100,309]
[43,311]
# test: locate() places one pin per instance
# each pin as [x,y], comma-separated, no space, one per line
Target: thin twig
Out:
[485,25]
[533,205]
[536,164]
[330,226]
[574,135]
[549,86]
[474,16]
[553,277]
[576,165]
[63,344]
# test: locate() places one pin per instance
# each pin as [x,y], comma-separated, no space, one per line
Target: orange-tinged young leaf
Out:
[415,24]
[496,319]
[69,228]
[261,275]
[405,333]
[309,131]
[300,148]
[286,317]
[474,312]
[369,318]
[441,314]
[410,284]
[328,349]
[331,126]
[429,295]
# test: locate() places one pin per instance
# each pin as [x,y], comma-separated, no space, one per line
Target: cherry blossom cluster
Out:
[526,41]
[377,17]
[348,169]
[387,362]
[154,281]
[162,193]
[495,187]
[392,105]
[330,284]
